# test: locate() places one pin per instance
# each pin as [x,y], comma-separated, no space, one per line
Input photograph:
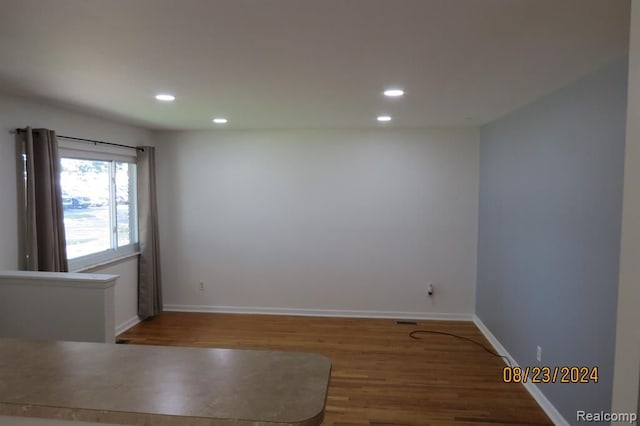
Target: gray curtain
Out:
[44,242]
[149,281]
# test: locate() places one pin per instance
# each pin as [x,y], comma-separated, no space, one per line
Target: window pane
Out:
[125,203]
[85,196]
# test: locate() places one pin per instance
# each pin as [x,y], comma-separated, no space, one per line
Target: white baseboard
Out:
[319,312]
[127,325]
[535,392]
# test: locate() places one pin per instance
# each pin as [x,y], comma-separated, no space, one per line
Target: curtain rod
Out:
[18,131]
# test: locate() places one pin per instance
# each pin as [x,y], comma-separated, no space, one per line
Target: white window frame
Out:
[87,151]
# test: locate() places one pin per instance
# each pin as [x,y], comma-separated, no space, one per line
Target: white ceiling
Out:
[303,63]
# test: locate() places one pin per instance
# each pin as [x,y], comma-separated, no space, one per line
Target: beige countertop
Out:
[161,386]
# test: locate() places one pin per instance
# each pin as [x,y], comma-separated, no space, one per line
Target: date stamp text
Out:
[546,374]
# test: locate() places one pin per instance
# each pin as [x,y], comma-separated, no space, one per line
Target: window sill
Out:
[109,262]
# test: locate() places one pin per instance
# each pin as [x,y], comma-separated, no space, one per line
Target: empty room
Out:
[319,212]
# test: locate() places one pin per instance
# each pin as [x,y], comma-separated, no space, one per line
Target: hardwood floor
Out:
[380,375]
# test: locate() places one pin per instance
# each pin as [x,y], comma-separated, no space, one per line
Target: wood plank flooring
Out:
[380,375]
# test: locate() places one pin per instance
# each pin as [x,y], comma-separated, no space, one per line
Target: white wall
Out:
[57,306]
[126,291]
[32,421]
[627,362]
[342,222]
[18,112]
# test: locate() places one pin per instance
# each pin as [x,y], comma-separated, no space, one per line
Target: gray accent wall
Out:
[549,222]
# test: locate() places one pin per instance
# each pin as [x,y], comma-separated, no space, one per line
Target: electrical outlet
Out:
[539,354]
[201,286]
[429,291]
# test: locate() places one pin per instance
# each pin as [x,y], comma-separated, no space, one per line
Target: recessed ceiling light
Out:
[393,93]
[220,120]
[384,118]
[165,97]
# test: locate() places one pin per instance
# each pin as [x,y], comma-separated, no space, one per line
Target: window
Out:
[99,201]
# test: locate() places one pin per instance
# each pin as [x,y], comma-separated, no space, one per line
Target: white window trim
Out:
[87,151]
[102,258]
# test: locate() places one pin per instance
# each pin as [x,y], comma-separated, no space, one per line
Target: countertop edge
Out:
[134,419]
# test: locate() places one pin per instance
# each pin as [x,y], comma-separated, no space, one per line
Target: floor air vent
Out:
[406,322]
